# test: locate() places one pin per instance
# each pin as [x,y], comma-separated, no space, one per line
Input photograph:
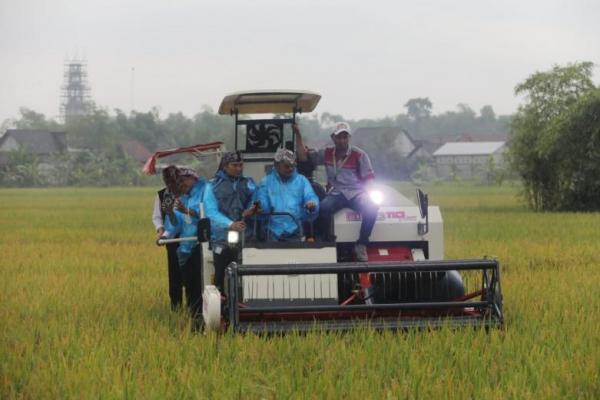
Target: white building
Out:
[469,160]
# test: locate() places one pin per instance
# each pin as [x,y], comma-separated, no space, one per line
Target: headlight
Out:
[233,237]
[376,196]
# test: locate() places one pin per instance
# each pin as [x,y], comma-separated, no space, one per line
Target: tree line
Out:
[553,139]
[104,163]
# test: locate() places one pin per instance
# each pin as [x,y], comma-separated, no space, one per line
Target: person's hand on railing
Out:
[159,233]
[248,213]
[252,210]
[310,206]
[239,226]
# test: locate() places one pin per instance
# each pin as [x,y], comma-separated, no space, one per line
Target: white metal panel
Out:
[269,101]
[291,287]
[394,224]
[256,169]
[208,265]
[468,148]
[254,256]
[211,307]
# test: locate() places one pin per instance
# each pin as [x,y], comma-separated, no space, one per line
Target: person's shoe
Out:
[360,251]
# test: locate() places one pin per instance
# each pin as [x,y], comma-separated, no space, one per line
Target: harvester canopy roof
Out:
[269,102]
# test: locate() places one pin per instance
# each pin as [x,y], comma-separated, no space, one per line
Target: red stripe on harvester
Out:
[469,296]
[349,299]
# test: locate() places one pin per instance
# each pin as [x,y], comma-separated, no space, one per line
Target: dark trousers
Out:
[221,261]
[318,189]
[361,203]
[175,281]
[192,280]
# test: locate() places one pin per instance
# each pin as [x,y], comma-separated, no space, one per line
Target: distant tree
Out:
[556,101]
[418,108]
[177,128]
[465,111]
[312,129]
[574,144]
[61,173]
[7,124]
[97,131]
[418,112]
[30,119]
[487,114]
[22,169]
[492,174]
[210,127]
[330,119]
[145,127]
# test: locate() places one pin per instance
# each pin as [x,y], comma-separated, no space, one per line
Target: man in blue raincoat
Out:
[285,190]
[185,224]
[228,201]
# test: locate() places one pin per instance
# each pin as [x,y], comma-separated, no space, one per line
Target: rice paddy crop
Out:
[84,312]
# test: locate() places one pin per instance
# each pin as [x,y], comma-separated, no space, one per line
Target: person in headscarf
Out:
[186,212]
[163,208]
[228,202]
[285,190]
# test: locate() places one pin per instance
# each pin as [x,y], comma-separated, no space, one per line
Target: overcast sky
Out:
[366,58]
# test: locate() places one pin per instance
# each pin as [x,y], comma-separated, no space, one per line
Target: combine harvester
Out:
[298,286]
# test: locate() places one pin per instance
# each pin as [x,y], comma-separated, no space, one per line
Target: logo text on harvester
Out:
[398,215]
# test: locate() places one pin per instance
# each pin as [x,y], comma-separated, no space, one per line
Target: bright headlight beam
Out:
[376,196]
[233,237]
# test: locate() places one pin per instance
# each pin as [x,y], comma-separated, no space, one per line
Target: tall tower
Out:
[75,97]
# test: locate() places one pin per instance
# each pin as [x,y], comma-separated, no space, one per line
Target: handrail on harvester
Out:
[389,266]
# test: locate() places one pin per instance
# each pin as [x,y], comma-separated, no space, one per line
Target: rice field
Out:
[84,312]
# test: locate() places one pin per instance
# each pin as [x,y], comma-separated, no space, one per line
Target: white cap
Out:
[341,127]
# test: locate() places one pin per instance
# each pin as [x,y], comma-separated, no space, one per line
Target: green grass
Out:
[84,312]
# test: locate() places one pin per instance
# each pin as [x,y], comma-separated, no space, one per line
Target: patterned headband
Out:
[285,155]
[231,156]
[181,172]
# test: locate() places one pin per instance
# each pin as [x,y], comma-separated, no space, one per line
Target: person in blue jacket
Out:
[185,224]
[228,201]
[285,190]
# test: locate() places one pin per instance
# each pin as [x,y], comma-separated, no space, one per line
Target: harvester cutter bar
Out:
[369,307]
[457,312]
